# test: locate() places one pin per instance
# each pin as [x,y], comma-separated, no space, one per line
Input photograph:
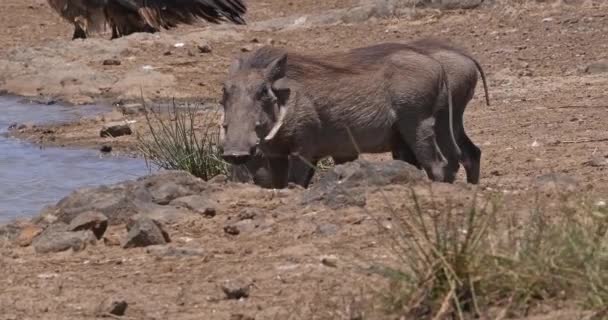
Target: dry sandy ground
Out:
[547,116]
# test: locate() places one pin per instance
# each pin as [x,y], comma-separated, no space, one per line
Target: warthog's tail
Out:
[450,109]
[483,79]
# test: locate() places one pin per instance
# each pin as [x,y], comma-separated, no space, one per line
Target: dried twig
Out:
[582,141]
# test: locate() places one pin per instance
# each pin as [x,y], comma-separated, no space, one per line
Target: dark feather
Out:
[128,16]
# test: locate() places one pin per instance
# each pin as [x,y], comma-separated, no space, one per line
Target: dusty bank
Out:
[233,251]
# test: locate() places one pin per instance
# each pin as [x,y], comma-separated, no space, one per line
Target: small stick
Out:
[583,141]
[580,106]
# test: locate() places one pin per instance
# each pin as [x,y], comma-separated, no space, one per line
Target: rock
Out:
[111,62]
[240,316]
[97,222]
[123,200]
[10,231]
[145,232]
[597,67]
[236,289]
[327,229]
[219,179]
[330,261]
[336,187]
[112,306]
[204,48]
[455,4]
[132,108]
[196,203]
[169,186]
[597,161]
[232,230]
[105,149]
[27,235]
[171,251]
[247,48]
[115,131]
[56,238]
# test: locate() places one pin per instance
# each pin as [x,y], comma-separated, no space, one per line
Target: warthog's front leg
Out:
[278,167]
[301,169]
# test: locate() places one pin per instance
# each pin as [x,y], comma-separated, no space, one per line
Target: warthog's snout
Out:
[237,157]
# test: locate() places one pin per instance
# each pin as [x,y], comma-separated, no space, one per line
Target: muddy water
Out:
[31,177]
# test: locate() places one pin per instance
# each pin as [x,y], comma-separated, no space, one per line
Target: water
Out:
[31,177]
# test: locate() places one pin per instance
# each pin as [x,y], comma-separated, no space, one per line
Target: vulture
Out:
[125,17]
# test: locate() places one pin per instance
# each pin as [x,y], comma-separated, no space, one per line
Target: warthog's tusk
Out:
[278,124]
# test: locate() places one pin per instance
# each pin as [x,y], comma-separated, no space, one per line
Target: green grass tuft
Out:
[188,140]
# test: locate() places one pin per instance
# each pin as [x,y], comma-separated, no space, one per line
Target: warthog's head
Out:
[253,103]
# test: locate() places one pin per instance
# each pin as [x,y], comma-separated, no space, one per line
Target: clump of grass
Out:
[484,261]
[186,141]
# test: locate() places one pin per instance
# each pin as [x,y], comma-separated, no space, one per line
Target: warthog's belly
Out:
[342,144]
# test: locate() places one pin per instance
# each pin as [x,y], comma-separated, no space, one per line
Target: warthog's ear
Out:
[276,69]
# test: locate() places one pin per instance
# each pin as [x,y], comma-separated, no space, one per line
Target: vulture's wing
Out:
[168,13]
[91,10]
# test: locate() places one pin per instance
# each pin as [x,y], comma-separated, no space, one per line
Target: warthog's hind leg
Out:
[471,158]
[444,138]
[426,148]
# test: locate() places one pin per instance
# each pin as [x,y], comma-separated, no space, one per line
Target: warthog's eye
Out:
[261,94]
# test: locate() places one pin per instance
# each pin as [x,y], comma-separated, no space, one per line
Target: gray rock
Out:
[164,214]
[115,131]
[240,316]
[598,161]
[327,229]
[112,306]
[171,251]
[453,4]
[105,149]
[236,289]
[145,232]
[196,203]
[337,187]
[123,200]
[597,67]
[97,222]
[57,238]
[132,108]
[204,48]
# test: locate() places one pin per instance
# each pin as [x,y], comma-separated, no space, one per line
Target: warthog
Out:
[462,70]
[288,104]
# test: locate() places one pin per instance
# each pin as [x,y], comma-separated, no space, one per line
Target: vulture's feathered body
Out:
[128,16]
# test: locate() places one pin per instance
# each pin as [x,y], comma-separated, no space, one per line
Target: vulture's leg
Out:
[114,32]
[79,32]
[149,29]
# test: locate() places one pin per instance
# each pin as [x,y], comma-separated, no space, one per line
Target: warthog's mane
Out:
[301,66]
[350,62]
